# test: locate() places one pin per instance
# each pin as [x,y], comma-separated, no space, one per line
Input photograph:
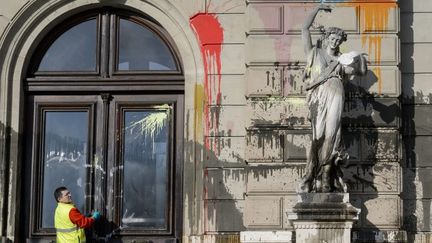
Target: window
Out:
[145,136]
[74,50]
[104,101]
[141,49]
[65,142]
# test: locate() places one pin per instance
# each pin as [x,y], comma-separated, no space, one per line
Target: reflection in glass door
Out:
[146,169]
[147,151]
[65,145]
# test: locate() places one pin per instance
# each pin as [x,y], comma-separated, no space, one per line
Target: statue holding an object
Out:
[326,70]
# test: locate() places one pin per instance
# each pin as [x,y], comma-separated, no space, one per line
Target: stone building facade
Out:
[238,120]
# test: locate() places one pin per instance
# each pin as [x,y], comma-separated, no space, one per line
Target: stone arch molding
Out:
[17,44]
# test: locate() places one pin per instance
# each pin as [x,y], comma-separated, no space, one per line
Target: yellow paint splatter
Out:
[199,104]
[375,17]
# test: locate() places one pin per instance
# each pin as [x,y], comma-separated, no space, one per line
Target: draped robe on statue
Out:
[325,100]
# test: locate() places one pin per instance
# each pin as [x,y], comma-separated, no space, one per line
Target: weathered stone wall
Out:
[416,70]
[224,129]
[278,131]
[247,130]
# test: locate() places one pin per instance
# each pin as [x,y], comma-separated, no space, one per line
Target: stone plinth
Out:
[323,217]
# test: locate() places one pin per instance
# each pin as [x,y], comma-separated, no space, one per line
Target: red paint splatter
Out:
[209,33]
[279,24]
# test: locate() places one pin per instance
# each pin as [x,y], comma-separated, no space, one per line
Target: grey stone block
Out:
[415,57]
[225,183]
[388,83]
[417,215]
[263,212]
[264,146]
[264,81]
[377,112]
[224,151]
[381,177]
[274,179]
[380,145]
[417,183]
[224,215]
[416,89]
[226,6]
[297,145]
[351,140]
[383,211]
[422,119]
[286,112]
[265,19]
[226,121]
[416,6]
[418,151]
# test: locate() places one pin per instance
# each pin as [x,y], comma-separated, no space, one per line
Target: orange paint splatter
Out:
[375,17]
[377,71]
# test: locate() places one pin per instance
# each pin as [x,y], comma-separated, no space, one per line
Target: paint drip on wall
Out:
[374,19]
[209,33]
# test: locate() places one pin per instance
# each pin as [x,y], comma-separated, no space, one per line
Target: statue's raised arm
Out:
[306,36]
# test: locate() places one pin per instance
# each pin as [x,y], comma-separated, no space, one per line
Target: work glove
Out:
[96,215]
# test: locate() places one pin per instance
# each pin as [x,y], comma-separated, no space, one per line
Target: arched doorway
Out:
[104,117]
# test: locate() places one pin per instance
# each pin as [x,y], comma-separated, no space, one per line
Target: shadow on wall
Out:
[6,134]
[224,188]
[410,167]
[362,168]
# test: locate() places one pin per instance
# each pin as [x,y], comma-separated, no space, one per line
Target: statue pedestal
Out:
[323,217]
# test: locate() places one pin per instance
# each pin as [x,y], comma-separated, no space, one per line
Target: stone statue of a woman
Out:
[324,74]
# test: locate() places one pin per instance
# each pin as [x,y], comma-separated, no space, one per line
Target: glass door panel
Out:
[64,158]
[145,158]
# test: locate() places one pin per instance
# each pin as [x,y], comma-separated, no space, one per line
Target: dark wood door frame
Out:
[103,142]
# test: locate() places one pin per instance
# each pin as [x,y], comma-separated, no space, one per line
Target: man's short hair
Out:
[58,192]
